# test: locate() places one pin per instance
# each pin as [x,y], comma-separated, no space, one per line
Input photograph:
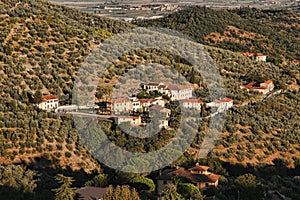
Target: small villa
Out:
[192,104]
[133,120]
[259,57]
[174,91]
[221,104]
[49,102]
[198,175]
[263,88]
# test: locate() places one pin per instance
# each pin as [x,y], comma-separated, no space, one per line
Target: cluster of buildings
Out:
[263,88]
[119,107]
[259,57]
[181,93]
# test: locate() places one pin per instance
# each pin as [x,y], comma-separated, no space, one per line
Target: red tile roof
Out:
[192,101]
[223,100]
[152,83]
[199,168]
[120,100]
[248,54]
[178,87]
[260,54]
[50,97]
[268,81]
[159,108]
[195,178]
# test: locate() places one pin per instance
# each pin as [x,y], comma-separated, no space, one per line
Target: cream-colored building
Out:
[133,120]
[192,104]
[221,105]
[49,102]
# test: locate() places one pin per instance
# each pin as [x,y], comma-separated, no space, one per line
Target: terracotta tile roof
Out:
[91,193]
[120,100]
[178,87]
[50,97]
[191,101]
[268,82]
[159,108]
[248,54]
[129,117]
[152,83]
[224,100]
[249,85]
[195,178]
[147,100]
[260,54]
[199,168]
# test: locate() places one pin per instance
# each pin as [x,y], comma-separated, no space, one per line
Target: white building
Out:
[133,120]
[179,92]
[120,105]
[221,105]
[174,91]
[49,102]
[192,104]
[261,57]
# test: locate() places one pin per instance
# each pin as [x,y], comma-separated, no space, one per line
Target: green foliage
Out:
[64,192]
[120,193]
[170,193]
[101,180]
[248,187]
[139,182]
[189,191]
[18,178]
[244,29]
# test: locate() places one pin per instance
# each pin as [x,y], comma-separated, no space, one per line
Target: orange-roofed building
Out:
[192,104]
[248,54]
[120,105]
[198,175]
[133,120]
[49,102]
[261,57]
[221,104]
[263,88]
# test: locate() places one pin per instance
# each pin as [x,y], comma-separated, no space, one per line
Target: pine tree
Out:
[64,192]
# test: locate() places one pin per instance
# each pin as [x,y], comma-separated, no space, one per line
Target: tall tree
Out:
[121,193]
[38,96]
[170,193]
[64,192]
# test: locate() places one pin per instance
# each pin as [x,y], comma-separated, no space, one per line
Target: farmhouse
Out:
[198,175]
[263,88]
[222,104]
[192,104]
[133,120]
[49,102]
[174,91]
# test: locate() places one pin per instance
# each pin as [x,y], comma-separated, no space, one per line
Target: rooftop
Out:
[91,193]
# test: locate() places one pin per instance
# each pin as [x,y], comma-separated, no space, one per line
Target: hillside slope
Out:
[41,48]
[274,33]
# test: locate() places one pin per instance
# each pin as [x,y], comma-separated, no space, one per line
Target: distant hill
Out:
[274,33]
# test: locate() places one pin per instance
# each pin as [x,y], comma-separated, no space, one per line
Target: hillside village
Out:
[138,112]
[46,150]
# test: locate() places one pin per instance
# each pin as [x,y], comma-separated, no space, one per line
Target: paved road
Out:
[90,115]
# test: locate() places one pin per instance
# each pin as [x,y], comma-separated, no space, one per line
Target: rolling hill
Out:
[42,46]
[274,33]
